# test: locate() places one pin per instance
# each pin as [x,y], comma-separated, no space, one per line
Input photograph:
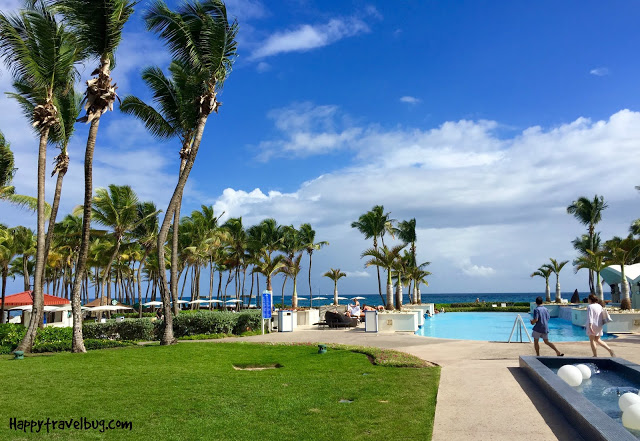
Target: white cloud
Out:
[246,9]
[599,71]
[490,209]
[308,130]
[410,99]
[353,274]
[263,67]
[306,37]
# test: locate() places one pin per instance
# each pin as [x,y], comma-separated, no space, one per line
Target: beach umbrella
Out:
[108,308]
[234,301]
[342,298]
[359,298]
[198,301]
[179,301]
[319,298]
[152,304]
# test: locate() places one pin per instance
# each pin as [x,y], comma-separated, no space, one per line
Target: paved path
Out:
[482,395]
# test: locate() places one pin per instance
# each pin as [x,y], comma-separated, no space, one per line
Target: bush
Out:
[53,335]
[129,329]
[11,334]
[92,344]
[213,322]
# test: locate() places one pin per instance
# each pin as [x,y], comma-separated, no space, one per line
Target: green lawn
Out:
[192,391]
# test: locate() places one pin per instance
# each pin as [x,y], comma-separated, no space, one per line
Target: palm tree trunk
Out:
[139,279]
[107,271]
[547,292]
[174,253]
[5,274]
[167,336]
[54,211]
[375,247]
[294,296]
[37,310]
[558,294]
[25,272]
[77,344]
[625,302]
[399,294]
[310,293]
[389,303]
[335,292]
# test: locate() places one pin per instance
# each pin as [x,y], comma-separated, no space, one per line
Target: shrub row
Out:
[130,329]
[215,322]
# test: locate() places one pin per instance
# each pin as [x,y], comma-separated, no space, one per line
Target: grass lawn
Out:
[192,391]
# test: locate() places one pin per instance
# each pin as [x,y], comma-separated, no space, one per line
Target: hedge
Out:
[213,322]
[129,329]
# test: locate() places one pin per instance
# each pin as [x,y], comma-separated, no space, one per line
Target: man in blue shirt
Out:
[541,327]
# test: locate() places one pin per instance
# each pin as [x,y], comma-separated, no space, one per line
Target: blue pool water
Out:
[494,326]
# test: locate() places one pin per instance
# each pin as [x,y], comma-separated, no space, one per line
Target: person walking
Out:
[540,322]
[595,324]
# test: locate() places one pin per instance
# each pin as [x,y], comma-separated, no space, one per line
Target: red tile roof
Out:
[24,298]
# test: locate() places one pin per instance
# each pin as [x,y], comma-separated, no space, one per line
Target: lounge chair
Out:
[337,320]
[503,305]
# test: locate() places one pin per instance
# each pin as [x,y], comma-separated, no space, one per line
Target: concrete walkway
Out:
[483,395]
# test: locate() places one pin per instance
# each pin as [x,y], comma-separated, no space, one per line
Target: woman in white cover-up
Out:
[594,325]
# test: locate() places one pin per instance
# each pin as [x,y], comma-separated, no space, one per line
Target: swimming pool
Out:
[494,326]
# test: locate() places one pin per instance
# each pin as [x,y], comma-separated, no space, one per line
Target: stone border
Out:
[591,422]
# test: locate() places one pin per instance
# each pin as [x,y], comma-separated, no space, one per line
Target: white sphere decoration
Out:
[584,369]
[627,400]
[571,375]
[631,417]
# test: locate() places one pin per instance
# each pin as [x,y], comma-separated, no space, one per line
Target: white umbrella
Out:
[234,301]
[178,301]
[47,308]
[359,298]
[302,298]
[319,298]
[108,308]
[342,298]
[198,301]
[212,301]
[152,304]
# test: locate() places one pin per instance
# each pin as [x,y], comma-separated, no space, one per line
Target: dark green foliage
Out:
[215,322]
[130,329]
[11,334]
[89,344]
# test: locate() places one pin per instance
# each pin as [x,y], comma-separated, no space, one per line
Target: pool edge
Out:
[590,422]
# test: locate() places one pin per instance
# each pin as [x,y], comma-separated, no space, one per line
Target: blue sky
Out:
[481,119]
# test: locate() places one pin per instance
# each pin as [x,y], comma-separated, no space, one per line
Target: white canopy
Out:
[612,274]
[152,304]
[108,308]
[46,308]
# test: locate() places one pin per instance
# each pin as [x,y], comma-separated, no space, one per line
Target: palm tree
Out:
[406,232]
[146,233]
[292,268]
[593,262]
[40,54]
[268,266]
[176,117]
[545,272]
[98,29]
[8,250]
[556,267]
[335,275]
[620,252]
[588,213]
[384,258]
[419,276]
[374,224]
[200,37]
[117,208]
[7,170]
[26,246]
[401,266]
[308,237]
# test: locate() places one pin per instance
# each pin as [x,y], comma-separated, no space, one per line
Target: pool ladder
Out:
[518,327]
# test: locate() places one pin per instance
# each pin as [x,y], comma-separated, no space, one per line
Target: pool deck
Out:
[483,395]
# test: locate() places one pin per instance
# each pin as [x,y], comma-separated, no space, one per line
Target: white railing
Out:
[518,327]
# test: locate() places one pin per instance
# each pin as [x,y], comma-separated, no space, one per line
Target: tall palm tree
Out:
[7,170]
[268,266]
[555,268]
[620,251]
[146,233]
[117,208]
[406,232]
[385,258]
[335,275]
[589,213]
[40,54]
[594,262]
[8,250]
[545,272]
[292,268]
[175,116]
[200,36]
[98,29]
[373,224]
[419,276]
[308,237]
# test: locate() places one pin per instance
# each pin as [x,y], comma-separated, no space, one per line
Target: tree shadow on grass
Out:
[558,424]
